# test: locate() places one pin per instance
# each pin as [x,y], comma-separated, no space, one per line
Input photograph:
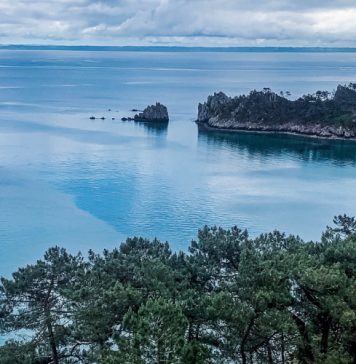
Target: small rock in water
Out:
[153,113]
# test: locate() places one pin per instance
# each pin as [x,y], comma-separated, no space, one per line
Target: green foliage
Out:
[157,331]
[34,301]
[13,352]
[231,299]
[269,108]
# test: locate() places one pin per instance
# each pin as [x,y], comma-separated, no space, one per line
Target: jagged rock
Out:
[155,113]
[316,115]
[325,134]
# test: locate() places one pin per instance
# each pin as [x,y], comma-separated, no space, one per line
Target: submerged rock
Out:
[154,113]
[322,114]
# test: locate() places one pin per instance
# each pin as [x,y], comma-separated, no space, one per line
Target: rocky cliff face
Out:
[322,114]
[155,113]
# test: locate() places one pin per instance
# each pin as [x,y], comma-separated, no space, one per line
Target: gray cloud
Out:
[175,22]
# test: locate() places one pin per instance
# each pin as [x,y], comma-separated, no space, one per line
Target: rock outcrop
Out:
[322,114]
[153,113]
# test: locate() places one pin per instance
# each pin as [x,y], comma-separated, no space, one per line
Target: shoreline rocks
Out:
[313,132]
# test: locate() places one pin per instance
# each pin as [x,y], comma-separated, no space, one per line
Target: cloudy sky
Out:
[179,22]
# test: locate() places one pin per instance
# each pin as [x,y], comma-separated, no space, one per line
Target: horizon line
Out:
[158,48]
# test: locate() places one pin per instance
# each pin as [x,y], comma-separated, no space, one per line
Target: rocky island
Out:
[323,114]
[153,113]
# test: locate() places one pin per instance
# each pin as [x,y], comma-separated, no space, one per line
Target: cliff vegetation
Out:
[323,114]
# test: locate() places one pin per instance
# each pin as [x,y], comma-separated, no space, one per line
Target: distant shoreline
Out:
[22,47]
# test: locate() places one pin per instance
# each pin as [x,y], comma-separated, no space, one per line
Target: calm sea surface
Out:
[81,184]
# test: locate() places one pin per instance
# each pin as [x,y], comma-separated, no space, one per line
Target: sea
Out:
[83,184]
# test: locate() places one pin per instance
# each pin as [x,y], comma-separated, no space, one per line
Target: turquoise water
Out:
[81,184]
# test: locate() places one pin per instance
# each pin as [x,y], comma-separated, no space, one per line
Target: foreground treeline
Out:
[231,299]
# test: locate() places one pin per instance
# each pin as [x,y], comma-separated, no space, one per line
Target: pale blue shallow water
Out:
[81,184]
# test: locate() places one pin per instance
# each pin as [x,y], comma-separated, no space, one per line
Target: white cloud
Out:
[177,22]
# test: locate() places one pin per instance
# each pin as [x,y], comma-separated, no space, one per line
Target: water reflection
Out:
[155,129]
[335,152]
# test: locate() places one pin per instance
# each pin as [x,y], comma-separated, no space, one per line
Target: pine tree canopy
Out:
[230,298]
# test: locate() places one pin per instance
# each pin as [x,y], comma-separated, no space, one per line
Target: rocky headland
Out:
[153,113]
[323,114]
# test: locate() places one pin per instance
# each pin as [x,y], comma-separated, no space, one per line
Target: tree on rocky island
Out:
[345,226]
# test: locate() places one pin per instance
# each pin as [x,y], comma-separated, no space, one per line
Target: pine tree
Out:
[33,306]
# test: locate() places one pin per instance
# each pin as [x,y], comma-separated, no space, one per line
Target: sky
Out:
[203,23]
